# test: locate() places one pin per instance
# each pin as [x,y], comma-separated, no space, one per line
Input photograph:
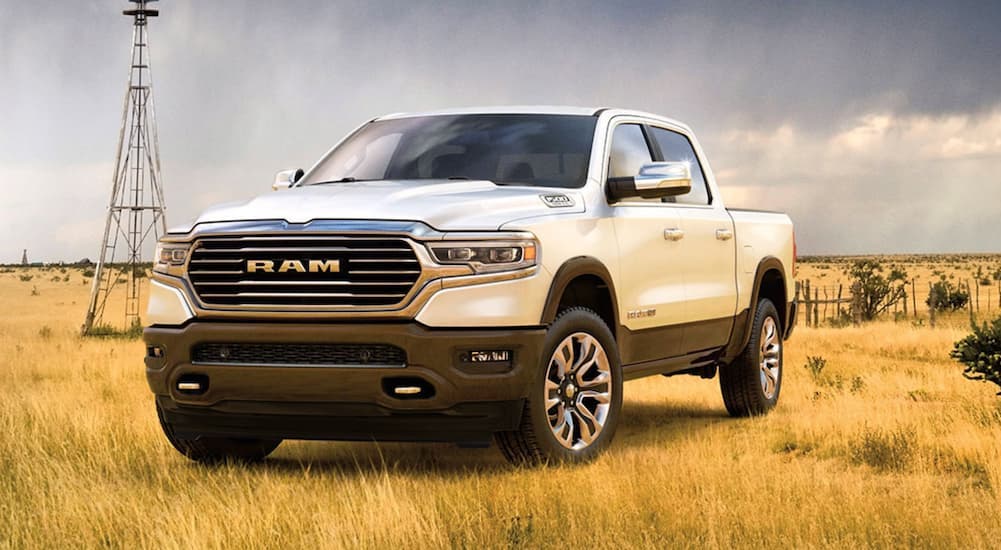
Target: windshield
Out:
[538,150]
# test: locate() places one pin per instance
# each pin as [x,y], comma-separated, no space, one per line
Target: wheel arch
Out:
[585,281]
[769,282]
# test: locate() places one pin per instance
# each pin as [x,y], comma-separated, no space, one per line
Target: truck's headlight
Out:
[170,257]
[487,256]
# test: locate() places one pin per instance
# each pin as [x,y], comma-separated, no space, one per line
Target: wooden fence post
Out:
[856,307]
[798,287]
[905,301]
[914,298]
[970,301]
[816,307]
[805,287]
[978,296]
[838,305]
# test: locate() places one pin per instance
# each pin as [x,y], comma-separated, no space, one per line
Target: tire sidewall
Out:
[571,321]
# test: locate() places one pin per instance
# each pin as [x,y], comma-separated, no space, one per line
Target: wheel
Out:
[573,407]
[210,450]
[751,384]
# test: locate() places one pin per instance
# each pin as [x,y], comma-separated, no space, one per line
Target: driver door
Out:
[651,287]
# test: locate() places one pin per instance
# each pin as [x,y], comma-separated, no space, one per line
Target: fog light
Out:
[484,361]
[492,356]
[154,351]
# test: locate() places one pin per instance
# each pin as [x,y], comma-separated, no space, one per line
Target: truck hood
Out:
[442,204]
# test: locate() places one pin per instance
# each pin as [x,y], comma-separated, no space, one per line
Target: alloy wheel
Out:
[578,390]
[770,357]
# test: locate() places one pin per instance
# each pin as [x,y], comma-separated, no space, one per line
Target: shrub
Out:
[981,277]
[45,332]
[872,292]
[88,273]
[945,295]
[788,442]
[25,277]
[107,331]
[858,384]
[980,352]
[885,451]
[815,364]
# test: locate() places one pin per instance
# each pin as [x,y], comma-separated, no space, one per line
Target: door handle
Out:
[674,234]
[724,234]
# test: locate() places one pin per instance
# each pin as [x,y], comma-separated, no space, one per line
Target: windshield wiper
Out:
[342,180]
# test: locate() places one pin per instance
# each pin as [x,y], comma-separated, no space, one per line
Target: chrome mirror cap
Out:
[655,180]
[286,178]
[664,179]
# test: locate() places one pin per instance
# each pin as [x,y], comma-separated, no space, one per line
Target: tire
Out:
[213,450]
[752,382]
[570,417]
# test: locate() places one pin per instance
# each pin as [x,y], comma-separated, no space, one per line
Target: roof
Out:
[503,110]
[538,110]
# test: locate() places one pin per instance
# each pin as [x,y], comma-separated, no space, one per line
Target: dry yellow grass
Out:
[905,452]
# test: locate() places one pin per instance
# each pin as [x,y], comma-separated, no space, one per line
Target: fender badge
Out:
[557,201]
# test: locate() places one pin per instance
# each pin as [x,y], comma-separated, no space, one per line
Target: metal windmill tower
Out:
[136,210]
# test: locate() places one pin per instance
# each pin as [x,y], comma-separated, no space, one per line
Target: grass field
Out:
[887,445]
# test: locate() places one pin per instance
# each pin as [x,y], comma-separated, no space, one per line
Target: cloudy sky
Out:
[877,126]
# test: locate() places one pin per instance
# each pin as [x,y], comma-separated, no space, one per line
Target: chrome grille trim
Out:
[391,271]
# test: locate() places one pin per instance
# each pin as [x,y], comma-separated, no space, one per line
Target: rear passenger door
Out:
[707,253]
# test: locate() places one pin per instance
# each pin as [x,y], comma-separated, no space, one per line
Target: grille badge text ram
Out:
[310,266]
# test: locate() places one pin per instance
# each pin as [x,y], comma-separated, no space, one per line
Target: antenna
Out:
[136,209]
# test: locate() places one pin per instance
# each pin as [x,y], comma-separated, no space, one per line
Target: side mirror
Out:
[286,178]
[655,180]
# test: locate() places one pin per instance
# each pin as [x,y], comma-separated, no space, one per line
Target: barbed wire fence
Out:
[835,304]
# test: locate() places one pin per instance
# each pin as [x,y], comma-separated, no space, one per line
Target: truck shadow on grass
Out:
[641,425]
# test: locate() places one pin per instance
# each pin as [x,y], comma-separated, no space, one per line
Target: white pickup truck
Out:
[466,275]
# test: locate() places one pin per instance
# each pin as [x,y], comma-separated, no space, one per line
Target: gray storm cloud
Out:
[875,125]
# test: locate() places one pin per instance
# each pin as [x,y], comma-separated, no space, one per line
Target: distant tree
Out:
[980,352]
[873,292]
[947,296]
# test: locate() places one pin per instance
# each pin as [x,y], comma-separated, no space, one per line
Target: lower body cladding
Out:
[377,381]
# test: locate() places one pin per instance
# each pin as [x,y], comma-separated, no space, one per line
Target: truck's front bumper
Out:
[461,400]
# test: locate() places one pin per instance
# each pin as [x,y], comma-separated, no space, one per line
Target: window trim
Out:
[660,158]
[619,120]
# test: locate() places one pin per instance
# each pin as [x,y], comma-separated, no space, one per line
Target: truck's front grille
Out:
[315,270]
[371,355]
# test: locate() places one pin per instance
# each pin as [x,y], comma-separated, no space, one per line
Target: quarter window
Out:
[675,147]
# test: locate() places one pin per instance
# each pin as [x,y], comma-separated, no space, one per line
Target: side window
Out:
[676,147]
[629,151]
